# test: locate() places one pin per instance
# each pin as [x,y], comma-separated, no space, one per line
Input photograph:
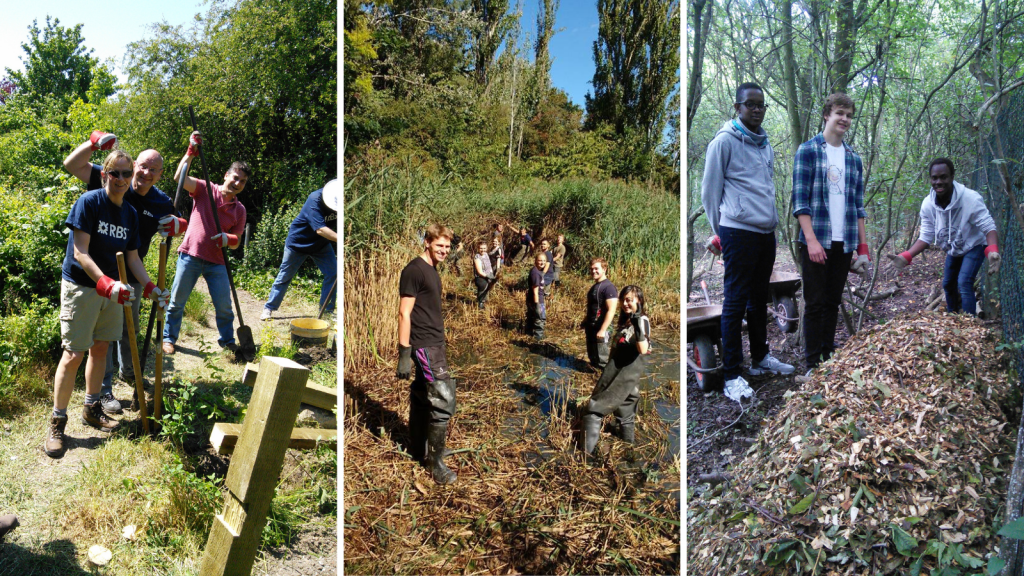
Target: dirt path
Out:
[34,486]
[718,434]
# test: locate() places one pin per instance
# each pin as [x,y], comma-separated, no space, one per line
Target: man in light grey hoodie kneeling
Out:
[738,193]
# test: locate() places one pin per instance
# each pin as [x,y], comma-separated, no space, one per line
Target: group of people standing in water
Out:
[616,347]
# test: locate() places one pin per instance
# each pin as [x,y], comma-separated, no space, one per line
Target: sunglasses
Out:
[126,174]
[751,105]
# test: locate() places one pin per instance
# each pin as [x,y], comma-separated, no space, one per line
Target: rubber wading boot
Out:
[591,432]
[93,415]
[627,433]
[7,523]
[418,420]
[54,445]
[435,454]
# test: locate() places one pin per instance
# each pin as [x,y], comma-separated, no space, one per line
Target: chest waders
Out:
[618,391]
[431,405]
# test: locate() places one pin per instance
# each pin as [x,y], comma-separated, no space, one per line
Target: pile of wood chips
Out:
[893,458]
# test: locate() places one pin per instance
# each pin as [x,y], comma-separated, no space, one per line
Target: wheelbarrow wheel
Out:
[786,308]
[704,356]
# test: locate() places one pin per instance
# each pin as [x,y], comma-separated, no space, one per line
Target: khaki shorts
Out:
[86,317]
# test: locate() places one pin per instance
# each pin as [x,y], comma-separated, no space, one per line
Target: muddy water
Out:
[545,388]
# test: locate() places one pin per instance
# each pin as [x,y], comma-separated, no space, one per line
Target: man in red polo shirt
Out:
[200,252]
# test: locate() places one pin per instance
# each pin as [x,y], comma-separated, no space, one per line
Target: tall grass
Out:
[626,224]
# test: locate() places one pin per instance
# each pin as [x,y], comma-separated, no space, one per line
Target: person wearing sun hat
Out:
[311,235]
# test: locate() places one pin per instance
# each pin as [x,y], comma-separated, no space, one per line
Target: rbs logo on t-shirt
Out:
[119,232]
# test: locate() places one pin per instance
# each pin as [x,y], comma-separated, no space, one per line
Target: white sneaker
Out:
[770,365]
[737,389]
[266,314]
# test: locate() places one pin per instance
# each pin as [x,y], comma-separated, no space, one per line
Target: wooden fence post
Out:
[255,468]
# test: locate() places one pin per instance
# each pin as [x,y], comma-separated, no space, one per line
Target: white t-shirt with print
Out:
[835,177]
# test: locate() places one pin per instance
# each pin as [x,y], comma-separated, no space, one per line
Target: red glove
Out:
[102,140]
[171,225]
[194,142]
[115,291]
[224,239]
[862,250]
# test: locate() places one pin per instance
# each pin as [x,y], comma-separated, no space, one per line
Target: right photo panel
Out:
[512,281]
[853,335]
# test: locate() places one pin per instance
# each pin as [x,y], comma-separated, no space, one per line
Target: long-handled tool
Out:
[167,243]
[246,345]
[139,388]
[158,391]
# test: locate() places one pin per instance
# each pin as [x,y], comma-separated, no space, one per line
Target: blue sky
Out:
[572,47]
[108,28]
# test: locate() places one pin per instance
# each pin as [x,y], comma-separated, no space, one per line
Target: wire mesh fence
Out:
[1001,167]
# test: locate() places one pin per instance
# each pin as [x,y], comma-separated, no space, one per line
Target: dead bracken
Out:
[894,456]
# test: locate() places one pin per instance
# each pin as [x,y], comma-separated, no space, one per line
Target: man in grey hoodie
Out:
[738,193]
[955,218]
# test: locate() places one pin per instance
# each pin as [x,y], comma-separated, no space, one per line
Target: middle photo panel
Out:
[512,289]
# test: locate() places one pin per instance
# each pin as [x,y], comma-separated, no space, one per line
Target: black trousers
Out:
[823,286]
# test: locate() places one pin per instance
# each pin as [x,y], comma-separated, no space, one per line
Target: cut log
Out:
[225,436]
[314,395]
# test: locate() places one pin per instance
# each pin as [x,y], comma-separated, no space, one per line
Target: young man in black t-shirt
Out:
[536,315]
[421,343]
[602,300]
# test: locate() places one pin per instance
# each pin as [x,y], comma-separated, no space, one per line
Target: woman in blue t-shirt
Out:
[618,388]
[91,303]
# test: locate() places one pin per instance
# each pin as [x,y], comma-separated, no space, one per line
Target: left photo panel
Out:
[168,278]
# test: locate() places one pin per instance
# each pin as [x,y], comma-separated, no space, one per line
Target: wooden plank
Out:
[225,436]
[255,468]
[314,394]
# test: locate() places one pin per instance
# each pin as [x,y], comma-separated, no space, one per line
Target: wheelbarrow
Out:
[783,286]
[704,330]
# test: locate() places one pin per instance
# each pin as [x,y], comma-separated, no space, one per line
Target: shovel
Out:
[139,388]
[166,247]
[158,391]
[246,345]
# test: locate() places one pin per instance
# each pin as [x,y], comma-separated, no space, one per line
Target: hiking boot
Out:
[7,523]
[435,454]
[267,313]
[168,348]
[92,415]
[770,365]
[54,445]
[110,404]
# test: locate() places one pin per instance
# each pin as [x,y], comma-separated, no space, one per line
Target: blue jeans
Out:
[124,350]
[325,260]
[189,270]
[749,258]
[958,280]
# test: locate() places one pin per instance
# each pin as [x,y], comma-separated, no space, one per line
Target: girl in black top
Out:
[618,388]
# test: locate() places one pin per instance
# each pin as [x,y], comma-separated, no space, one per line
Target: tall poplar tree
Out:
[637,69]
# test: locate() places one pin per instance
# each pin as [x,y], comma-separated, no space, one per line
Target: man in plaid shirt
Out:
[828,202]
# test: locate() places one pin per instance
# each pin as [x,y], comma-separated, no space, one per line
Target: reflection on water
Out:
[546,384]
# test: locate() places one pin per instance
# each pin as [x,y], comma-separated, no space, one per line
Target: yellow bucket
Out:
[310,331]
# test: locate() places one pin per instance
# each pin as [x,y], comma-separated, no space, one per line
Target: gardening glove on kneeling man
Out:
[900,261]
[992,255]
